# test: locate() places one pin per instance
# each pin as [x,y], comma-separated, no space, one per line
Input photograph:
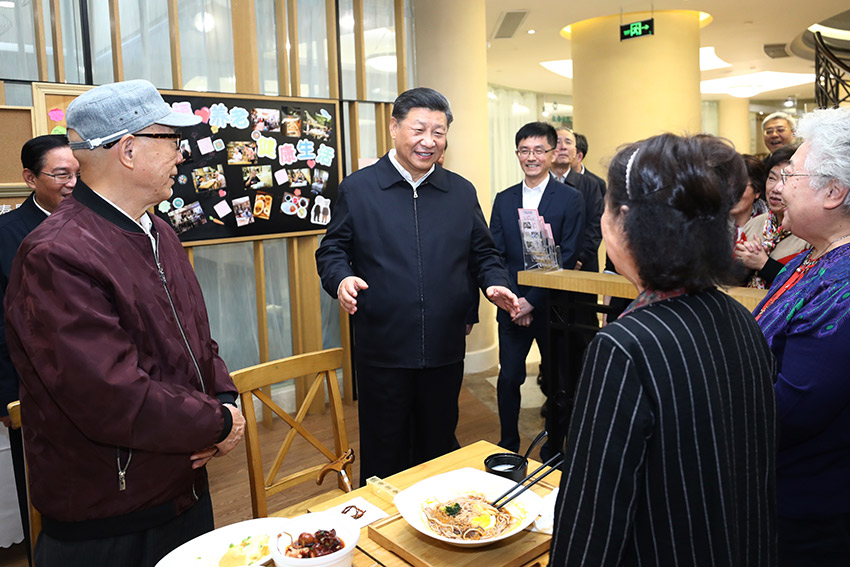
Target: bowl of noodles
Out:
[454,507]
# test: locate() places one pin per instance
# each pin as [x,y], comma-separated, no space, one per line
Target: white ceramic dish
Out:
[346,529]
[456,483]
[206,550]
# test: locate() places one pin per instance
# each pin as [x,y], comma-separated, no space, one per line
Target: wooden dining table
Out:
[370,553]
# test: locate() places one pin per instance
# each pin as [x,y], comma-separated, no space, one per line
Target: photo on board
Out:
[241,153]
[209,178]
[262,205]
[318,125]
[257,177]
[187,217]
[320,181]
[298,177]
[265,119]
[291,121]
[242,210]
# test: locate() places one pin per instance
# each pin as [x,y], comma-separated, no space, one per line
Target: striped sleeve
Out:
[604,467]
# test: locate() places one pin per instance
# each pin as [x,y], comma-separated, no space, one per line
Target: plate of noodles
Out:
[454,507]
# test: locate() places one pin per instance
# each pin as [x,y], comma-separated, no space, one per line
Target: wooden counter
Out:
[617,286]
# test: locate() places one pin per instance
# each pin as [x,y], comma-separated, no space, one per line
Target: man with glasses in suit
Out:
[51,171]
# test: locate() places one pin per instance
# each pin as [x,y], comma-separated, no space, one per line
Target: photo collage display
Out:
[254,167]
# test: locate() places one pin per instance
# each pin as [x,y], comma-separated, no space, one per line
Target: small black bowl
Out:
[508,465]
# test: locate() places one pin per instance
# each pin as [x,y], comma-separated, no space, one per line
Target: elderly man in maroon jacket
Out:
[123,395]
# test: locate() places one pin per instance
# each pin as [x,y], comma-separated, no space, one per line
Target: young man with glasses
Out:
[51,171]
[563,208]
[123,394]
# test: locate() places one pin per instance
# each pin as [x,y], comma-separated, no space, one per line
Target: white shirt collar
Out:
[539,189]
[406,174]
[144,222]
[42,209]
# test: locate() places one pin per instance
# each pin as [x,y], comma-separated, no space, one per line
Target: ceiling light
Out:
[563,67]
[204,21]
[747,86]
[833,33]
[708,60]
[531,32]
[790,102]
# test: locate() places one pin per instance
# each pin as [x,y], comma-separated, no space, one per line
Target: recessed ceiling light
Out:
[747,86]
[531,32]
[563,67]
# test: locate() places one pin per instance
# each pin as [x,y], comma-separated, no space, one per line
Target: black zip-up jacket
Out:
[415,251]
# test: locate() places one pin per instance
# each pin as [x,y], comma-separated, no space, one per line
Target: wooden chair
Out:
[35,517]
[320,368]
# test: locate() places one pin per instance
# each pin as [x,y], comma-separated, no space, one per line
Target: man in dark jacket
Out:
[50,170]
[403,238]
[123,395]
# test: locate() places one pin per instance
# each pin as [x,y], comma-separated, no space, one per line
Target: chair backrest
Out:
[319,368]
[35,516]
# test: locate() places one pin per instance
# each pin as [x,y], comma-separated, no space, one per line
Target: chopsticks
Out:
[554,462]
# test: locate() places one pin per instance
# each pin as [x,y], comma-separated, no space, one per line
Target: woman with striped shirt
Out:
[671,449]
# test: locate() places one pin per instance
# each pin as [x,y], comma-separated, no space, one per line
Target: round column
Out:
[734,122]
[625,91]
[451,57]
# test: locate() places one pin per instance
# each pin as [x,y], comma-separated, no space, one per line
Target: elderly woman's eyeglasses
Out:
[785,174]
[538,152]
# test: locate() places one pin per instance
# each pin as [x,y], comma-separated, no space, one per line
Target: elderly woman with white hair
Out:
[806,320]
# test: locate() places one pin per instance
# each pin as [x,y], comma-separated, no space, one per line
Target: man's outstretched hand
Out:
[504,299]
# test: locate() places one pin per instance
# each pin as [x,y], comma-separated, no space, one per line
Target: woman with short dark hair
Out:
[670,453]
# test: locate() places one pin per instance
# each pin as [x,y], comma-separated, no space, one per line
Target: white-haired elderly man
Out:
[778,129]
[123,393]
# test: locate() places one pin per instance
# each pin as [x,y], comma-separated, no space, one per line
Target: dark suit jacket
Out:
[562,207]
[593,209]
[14,226]
[598,179]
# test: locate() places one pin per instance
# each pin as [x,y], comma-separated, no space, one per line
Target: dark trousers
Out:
[140,549]
[514,344]
[407,416]
[814,542]
[16,446]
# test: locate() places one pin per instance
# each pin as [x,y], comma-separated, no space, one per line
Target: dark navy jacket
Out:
[415,253]
[14,226]
[562,207]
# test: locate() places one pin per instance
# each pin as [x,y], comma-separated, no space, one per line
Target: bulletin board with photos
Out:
[254,165]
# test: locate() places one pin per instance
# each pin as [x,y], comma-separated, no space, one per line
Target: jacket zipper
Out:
[419,263]
[182,332]
[176,317]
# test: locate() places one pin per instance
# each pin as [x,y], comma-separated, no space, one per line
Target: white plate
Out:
[206,550]
[456,483]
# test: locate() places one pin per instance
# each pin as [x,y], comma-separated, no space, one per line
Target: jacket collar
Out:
[389,176]
[88,198]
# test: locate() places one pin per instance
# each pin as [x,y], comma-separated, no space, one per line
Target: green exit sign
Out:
[637,29]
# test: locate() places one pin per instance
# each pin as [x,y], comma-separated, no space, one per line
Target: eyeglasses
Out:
[61,177]
[538,152]
[178,139]
[777,130]
[785,175]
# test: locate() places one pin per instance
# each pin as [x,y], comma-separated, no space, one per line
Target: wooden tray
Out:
[396,535]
